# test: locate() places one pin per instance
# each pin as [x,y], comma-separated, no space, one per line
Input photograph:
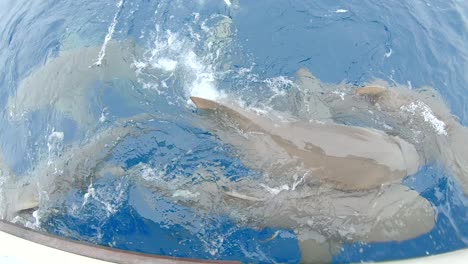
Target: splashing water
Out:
[117,156]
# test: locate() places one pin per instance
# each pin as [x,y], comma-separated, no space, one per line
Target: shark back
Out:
[350,158]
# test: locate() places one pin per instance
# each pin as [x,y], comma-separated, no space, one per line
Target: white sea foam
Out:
[110,33]
[148,173]
[90,193]
[389,53]
[165,64]
[54,145]
[275,190]
[298,181]
[419,107]
[279,84]
[341,11]
[56,136]
[179,54]
[103,116]
[204,84]
[339,93]
[228,2]
[111,200]
[185,194]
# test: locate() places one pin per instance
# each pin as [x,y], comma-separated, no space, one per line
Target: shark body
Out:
[351,158]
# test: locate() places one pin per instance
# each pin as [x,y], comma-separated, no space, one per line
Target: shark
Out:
[326,181]
[420,116]
[64,82]
[77,166]
[326,178]
[321,205]
[329,181]
[350,157]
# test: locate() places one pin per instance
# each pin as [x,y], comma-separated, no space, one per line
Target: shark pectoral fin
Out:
[314,251]
[398,214]
[27,205]
[27,198]
[18,198]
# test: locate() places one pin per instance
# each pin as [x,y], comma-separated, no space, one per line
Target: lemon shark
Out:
[78,165]
[419,116]
[291,194]
[328,181]
[333,182]
[63,82]
[349,157]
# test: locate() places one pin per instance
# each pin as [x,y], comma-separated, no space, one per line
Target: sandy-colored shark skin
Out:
[64,81]
[76,167]
[322,217]
[309,88]
[358,197]
[443,138]
[419,116]
[352,158]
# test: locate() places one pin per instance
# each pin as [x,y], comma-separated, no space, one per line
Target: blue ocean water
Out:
[408,42]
